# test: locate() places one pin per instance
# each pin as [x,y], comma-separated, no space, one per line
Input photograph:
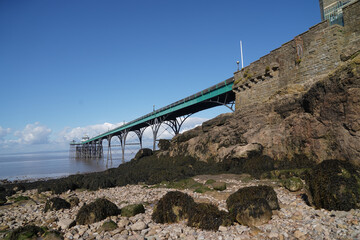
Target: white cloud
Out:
[33,134]
[69,134]
[4,132]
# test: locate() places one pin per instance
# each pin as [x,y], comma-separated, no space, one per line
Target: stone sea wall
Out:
[305,59]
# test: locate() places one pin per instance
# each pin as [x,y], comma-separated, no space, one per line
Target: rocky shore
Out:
[294,220]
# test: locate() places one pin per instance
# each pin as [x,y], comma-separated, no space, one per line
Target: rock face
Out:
[299,126]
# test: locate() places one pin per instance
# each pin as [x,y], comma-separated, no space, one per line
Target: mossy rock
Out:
[132,210]
[173,207]
[3,199]
[286,173]
[335,185]
[26,232]
[164,144]
[52,235]
[219,186]
[208,217]
[293,184]
[56,203]
[108,226]
[96,211]
[187,183]
[248,194]
[21,198]
[210,181]
[252,213]
[144,152]
[74,201]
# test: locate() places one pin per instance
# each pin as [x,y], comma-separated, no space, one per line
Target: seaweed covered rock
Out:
[252,213]
[26,232]
[248,194]
[293,184]
[219,186]
[207,216]
[164,144]
[132,210]
[109,226]
[2,199]
[144,152]
[335,185]
[33,232]
[96,211]
[173,207]
[56,203]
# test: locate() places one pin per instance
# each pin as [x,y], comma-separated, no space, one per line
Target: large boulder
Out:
[209,217]
[248,194]
[132,210]
[335,185]
[96,211]
[56,203]
[144,152]
[252,213]
[252,206]
[173,207]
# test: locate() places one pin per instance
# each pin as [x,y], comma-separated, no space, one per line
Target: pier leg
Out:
[140,133]
[109,156]
[155,126]
[122,138]
[176,124]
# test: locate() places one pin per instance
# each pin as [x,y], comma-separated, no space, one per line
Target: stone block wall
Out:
[308,57]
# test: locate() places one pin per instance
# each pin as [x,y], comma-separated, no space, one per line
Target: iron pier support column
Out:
[140,133]
[176,124]
[122,138]
[155,126]
[109,156]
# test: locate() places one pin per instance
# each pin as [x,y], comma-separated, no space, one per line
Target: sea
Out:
[54,164]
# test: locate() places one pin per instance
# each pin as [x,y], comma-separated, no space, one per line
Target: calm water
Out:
[49,165]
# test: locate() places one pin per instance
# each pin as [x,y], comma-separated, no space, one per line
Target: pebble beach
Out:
[294,220]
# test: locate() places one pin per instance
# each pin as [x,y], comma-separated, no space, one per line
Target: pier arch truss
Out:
[173,116]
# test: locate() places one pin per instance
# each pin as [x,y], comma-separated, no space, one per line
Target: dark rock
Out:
[144,152]
[3,199]
[26,232]
[208,217]
[335,185]
[56,203]
[252,213]
[164,144]
[74,201]
[248,194]
[96,211]
[132,210]
[173,207]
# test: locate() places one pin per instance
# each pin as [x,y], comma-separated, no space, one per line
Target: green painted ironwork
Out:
[199,97]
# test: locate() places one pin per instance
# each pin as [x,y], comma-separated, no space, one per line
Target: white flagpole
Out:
[242,59]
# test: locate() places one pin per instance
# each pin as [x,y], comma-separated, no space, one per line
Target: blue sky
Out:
[74,67]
